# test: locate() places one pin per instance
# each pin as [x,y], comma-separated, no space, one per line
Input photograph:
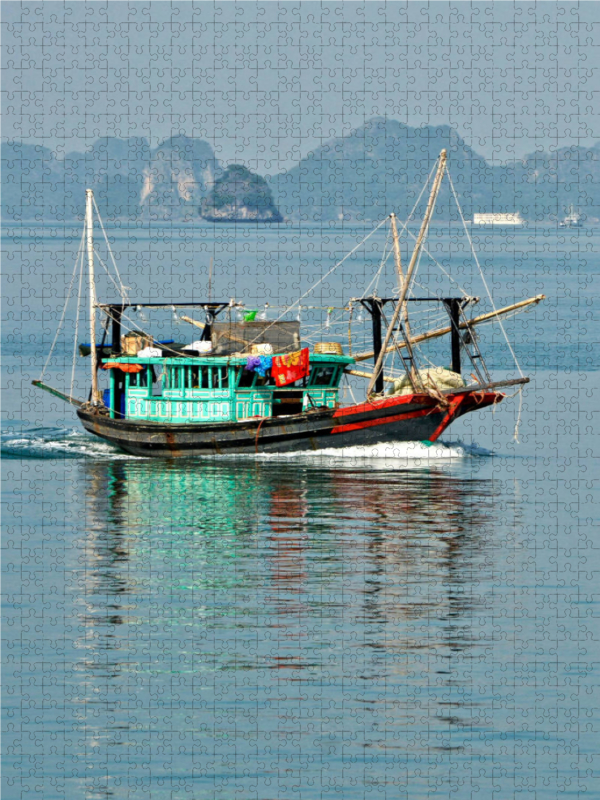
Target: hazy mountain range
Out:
[377,168]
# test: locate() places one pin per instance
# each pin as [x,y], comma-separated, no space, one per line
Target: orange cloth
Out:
[291,367]
[123,367]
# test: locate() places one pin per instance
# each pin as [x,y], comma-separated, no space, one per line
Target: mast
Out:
[399,272]
[89,225]
[411,267]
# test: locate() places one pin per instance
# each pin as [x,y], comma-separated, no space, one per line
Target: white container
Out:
[200,346]
[265,349]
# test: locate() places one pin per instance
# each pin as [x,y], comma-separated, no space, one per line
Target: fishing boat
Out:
[251,386]
[572,220]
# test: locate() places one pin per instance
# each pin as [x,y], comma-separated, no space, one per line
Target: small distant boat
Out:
[572,220]
[250,385]
[513,220]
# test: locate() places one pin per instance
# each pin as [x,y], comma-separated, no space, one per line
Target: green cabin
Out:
[216,389]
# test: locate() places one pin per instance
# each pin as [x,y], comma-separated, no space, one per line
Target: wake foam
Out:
[56,443]
[387,454]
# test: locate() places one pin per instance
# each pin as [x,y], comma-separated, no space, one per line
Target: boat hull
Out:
[396,419]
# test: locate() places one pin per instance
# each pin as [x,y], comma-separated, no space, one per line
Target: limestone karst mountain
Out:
[240,196]
[375,169]
[130,180]
[381,167]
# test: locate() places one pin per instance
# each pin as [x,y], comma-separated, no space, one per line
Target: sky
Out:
[266,83]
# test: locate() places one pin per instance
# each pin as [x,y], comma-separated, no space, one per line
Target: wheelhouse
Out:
[215,389]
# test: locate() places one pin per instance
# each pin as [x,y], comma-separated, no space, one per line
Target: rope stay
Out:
[79,293]
[79,256]
[324,277]
[482,276]
[122,289]
[79,265]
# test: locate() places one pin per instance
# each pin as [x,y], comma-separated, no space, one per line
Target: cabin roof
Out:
[218,361]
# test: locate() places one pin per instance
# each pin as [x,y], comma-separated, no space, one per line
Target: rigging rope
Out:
[327,274]
[123,288]
[67,298]
[482,275]
[77,325]
[119,289]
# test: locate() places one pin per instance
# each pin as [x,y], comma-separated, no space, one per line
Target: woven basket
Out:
[264,349]
[132,342]
[329,349]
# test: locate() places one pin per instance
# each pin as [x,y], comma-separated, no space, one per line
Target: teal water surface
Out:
[405,622]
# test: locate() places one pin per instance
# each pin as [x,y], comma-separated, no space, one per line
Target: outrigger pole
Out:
[424,337]
[411,268]
[89,225]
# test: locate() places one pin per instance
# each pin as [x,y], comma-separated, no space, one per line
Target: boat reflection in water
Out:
[274,614]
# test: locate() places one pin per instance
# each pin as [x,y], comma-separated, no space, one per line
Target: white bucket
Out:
[200,347]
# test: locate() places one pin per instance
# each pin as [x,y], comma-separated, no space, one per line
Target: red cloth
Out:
[124,367]
[291,367]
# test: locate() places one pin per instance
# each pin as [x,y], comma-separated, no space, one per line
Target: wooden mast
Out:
[210,277]
[411,268]
[89,224]
[399,272]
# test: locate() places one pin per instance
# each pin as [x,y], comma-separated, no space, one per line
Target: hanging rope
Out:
[118,286]
[67,298]
[482,275]
[77,325]
[123,288]
[327,274]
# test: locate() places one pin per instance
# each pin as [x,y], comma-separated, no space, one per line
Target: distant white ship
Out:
[572,220]
[513,220]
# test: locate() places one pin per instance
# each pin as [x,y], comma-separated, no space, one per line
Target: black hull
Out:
[420,419]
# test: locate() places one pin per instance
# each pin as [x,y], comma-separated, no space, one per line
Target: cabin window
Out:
[204,378]
[299,384]
[246,379]
[323,376]
[192,378]
[157,382]
[175,378]
[139,379]
[220,378]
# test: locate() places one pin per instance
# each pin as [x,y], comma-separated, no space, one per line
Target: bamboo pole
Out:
[193,322]
[362,374]
[66,397]
[424,337]
[411,268]
[398,261]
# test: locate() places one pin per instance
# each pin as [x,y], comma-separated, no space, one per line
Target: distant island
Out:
[240,196]
[363,175]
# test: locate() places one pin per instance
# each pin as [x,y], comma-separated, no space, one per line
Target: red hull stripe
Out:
[370,423]
[448,417]
[386,402]
[457,406]
[461,405]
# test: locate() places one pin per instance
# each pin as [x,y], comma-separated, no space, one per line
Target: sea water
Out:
[400,621]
